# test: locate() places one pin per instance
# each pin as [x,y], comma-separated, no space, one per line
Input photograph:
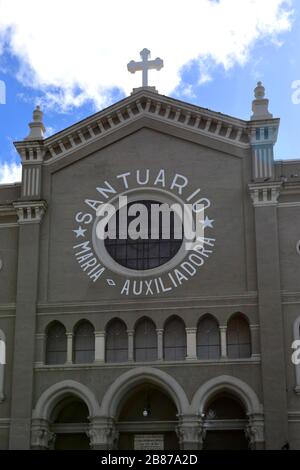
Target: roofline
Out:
[290,161]
[11,185]
[143,92]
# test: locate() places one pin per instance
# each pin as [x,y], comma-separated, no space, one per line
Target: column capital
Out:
[30,212]
[265,194]
[31,152]
[190,432]
[223,327]
[69,334]
[255,431]
[100,334]
[130,332]
[191,330]
[40,336]
[41,436]
[102,433]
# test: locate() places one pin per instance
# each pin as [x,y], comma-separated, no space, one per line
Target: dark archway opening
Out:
[147,420]
[70,425]
[225,424]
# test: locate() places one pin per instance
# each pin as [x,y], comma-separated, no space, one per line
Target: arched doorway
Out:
[147,420]
[69,423]
[225,423]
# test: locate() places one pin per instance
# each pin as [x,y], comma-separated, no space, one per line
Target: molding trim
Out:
[160,108]
[226,382]
[50,397]
[128,380]
[30,212]
[283,205]
[265,194]
[224,362]
[249,299]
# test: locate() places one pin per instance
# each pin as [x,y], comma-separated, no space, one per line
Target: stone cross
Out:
[145,65]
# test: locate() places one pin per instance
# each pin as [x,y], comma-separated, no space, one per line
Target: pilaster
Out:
[30,210]
[265,200]
[24,347]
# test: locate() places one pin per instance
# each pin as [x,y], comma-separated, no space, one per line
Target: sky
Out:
[71,58]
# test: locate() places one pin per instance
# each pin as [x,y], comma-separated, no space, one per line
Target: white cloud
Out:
[10,172]
[77,51]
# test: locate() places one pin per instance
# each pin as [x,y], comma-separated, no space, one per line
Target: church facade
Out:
[148,345]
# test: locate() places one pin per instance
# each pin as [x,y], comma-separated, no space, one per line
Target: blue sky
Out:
[73,79]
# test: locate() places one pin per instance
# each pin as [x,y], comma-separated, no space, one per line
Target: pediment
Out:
[145,108]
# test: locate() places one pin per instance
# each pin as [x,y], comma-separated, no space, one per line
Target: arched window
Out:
[174,340]
[208,339]
[56,344]
[238,338]
[145,341]
[2,363]
[84,343]
[116,342]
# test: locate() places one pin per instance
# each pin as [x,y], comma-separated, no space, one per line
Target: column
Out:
[191,344]
[160,344]
[29,217]
[40,348]
[255,347]
[255,432]
[102,434]
[41,436]
[130,345]
[190,432]
[265,201]
[223,336]
[69,348]
[100,346]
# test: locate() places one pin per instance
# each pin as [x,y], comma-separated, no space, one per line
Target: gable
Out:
[148,109]
[74,191]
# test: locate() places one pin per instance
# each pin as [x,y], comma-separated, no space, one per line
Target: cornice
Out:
[234,301]
[30,212]
[145,103]
[291,188]
[7,210]
[265,194]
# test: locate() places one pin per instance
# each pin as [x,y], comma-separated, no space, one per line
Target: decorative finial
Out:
[259,91]
[260,106]
[145,65]
[37,128]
